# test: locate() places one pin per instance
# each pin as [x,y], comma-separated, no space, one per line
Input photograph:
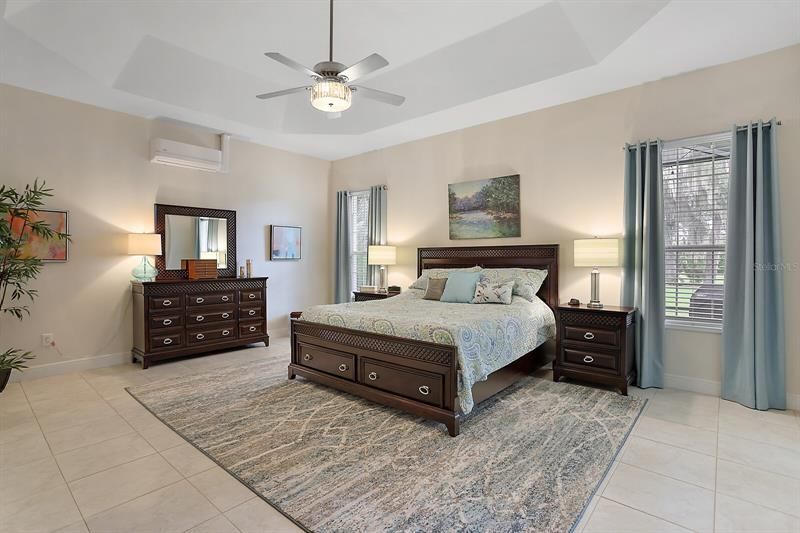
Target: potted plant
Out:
[17,223]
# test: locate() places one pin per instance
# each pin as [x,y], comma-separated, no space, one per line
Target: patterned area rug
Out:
[528,459]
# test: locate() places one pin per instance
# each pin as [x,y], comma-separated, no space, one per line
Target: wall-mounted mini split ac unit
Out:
[177,154]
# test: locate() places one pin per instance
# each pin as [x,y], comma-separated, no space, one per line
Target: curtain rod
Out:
[693,137]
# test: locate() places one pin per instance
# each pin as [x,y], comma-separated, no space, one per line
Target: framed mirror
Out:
[195,233]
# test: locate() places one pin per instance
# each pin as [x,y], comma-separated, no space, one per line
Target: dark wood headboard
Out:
[539,256]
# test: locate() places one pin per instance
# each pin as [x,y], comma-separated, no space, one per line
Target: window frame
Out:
[353,253]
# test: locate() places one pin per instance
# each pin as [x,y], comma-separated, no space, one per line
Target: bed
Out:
[430,358]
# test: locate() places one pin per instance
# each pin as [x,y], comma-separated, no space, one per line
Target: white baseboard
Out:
[714,388]
[71,366]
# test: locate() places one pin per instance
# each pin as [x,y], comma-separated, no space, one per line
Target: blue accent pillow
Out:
[460,287]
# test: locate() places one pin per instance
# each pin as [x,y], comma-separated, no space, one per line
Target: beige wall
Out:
[570,160]
[98,163]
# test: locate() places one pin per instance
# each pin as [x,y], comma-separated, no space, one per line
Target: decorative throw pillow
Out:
[527,281]
[460,287]
[435,289]
[487,292]
[438,273]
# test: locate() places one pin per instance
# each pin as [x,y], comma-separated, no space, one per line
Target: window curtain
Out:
[753,351]
[376,232]
[342,281]
[212,241]
[643,258]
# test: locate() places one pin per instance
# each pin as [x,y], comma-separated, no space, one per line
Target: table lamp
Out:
[596,253]
[382,256]
[144,244]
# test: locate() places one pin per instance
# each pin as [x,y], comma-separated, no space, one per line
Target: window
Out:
[358,203]
[695,175]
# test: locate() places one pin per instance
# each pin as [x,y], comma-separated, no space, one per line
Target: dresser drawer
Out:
[339,364]
[246,312]
[169,302]
[196,316]
[256,295]
[166,341]
[414,384]
[602,337]
[591,359]
[166,320]
[252,329]
[211,298]
[214,334]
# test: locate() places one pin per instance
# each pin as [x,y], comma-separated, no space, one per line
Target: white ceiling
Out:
[458,62]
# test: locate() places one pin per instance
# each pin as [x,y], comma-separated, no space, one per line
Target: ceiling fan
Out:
[331,90]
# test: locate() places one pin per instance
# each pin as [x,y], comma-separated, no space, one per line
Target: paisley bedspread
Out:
[488,336]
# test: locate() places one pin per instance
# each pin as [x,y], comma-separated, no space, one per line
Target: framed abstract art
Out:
[48,250]
[285,243]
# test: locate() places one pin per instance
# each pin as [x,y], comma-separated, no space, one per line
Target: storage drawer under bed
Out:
[411,383]
[341,365]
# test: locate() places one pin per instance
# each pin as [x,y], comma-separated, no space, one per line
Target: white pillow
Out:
[527,281]
[438,273]
[487,292]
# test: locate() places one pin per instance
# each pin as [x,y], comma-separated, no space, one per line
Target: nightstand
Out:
[596,345]
[366,296]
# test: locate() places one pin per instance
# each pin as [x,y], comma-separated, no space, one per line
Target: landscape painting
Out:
[485,209]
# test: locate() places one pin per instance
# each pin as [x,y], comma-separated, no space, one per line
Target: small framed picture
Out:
[285,243]
[48,250]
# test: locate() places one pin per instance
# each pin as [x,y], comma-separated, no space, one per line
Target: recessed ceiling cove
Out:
[456,62]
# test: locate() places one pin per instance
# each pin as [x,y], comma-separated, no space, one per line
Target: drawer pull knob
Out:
[251,312]
[588,359]
[168,341]
[372,376]
[167,321]
[225,298]
[200,336]
[225,315]
[252,295]
[200,300]
[226,332]
[166,303]
[424,390]
[252,328]
[307,357]
[200,318]
[343,368]
[588,335]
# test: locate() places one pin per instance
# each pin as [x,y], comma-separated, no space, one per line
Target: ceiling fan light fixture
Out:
[331,96]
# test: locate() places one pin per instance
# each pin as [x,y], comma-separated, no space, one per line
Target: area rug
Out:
[528,459]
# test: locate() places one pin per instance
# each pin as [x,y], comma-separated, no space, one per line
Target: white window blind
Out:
[359,224]
[695,175]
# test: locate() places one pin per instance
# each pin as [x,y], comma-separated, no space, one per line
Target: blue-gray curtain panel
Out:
[643,257]
[342,281]
[753,351]
[376,230]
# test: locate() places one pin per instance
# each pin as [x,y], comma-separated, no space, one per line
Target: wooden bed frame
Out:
[416,376]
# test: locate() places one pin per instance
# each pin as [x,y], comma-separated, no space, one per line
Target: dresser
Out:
[596,345]
[189,317]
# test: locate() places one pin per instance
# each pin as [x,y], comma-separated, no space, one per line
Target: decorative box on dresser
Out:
[188,317]
[597,345]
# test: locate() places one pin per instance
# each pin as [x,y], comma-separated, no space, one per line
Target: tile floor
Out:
[78,454]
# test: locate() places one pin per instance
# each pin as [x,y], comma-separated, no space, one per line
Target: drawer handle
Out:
[200,300]
[251,312]
[588,335]
[200,318]
[372,376]
[225,315]
[226,332]
[167,321]
[252,328]
[424,390]
[167,341]
[588,359]
[307,357]
[166,303]
[200,336]
[225,298]
[252,295]
[343,368]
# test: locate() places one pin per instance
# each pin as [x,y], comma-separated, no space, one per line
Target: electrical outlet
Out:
[47,339]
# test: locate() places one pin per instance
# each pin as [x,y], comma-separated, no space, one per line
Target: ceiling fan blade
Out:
[281,93]
[291,63]
[366,66]
[381,96]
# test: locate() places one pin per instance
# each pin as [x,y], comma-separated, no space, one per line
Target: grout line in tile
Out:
[110,467]
[716,478]
[213,518]
[673,445]
[137,497]
[645,512]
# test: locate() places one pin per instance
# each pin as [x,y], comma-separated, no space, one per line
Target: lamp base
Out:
[144,271]
[594,305]
[594,302]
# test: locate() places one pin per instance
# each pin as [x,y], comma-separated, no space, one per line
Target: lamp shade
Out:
[144,244]
[597,252]
[381,255]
